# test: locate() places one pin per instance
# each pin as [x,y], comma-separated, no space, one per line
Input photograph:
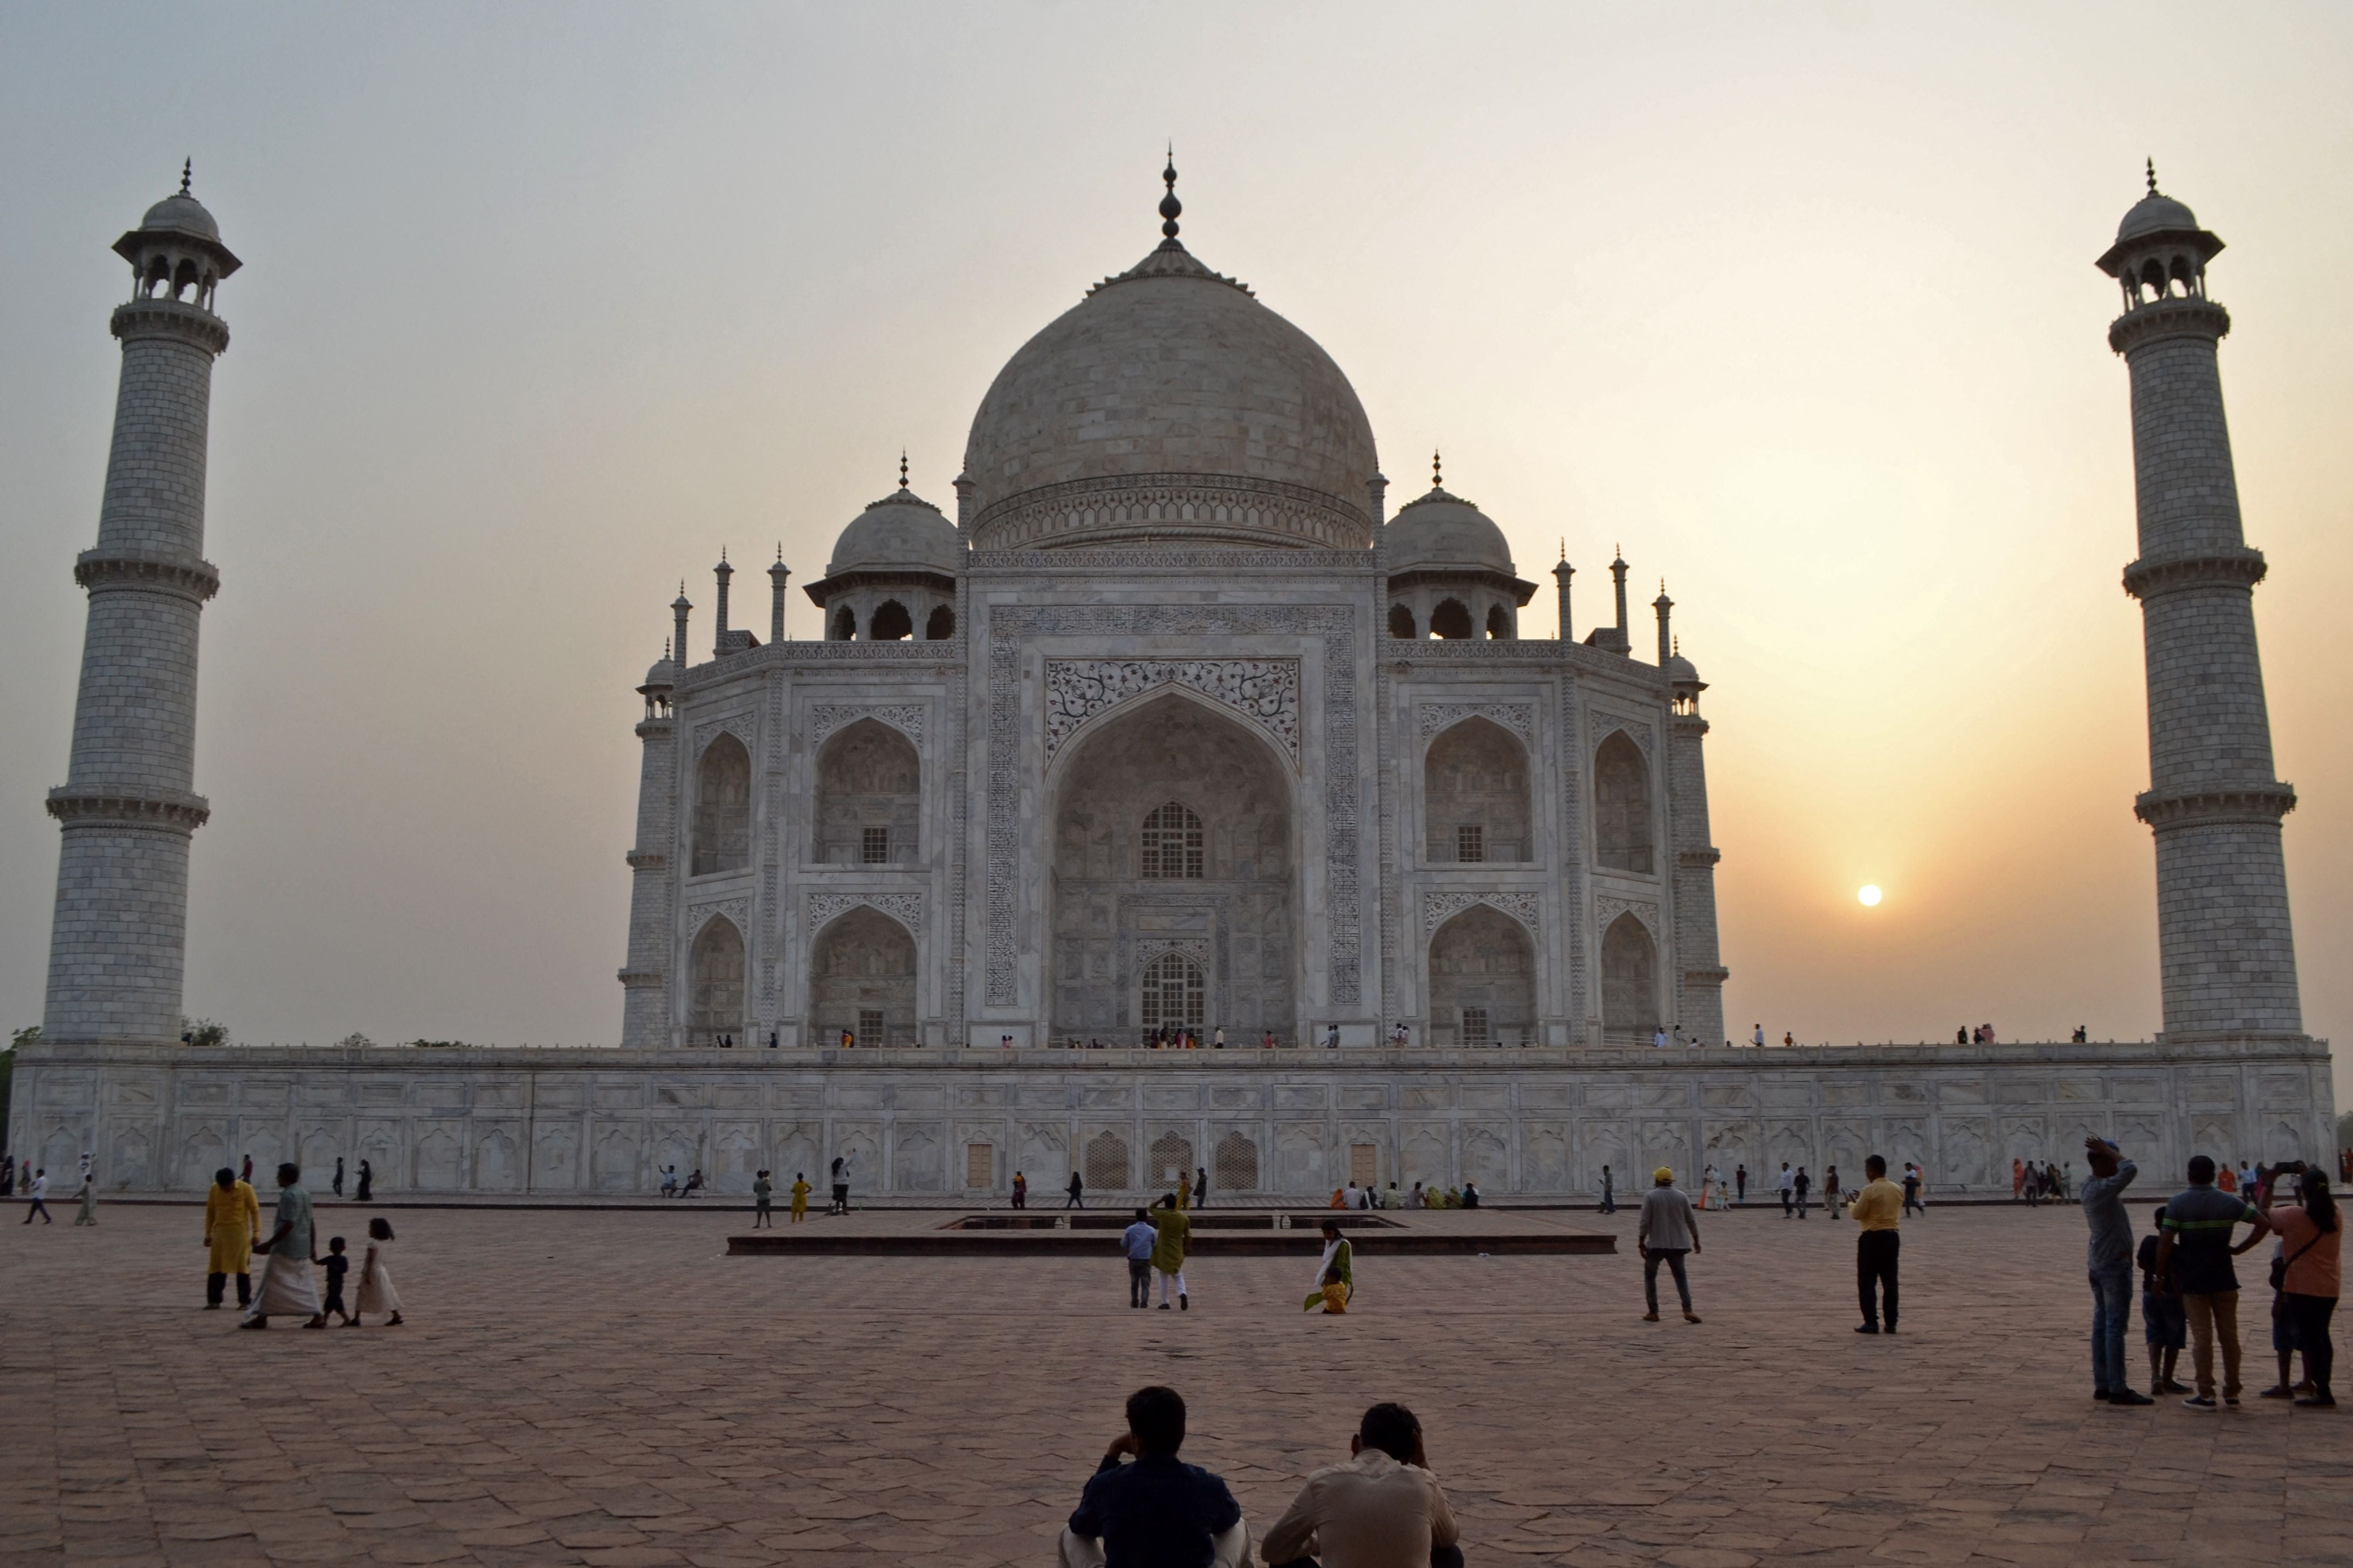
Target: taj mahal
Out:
[1169,724]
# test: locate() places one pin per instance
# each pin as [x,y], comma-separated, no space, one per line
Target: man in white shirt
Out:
[1789,1191]
[37,1191]
[1757,1039]
[1383,1509]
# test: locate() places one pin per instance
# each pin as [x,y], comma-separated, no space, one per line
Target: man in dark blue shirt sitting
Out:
[1157,1512]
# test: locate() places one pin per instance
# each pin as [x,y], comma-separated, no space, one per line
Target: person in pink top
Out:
[2310,1236]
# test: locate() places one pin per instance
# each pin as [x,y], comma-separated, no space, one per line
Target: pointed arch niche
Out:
[862,979]
[1629,981]
[870,784]
[1228,895]
[715,995]
[1622,806]
[722,807]
[1475,795]
[1483,980]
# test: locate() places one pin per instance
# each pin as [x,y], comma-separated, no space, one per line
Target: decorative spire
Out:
[903,484]
[1169,205]
[1438,477]
[1563,547]
[187,173]
[2152,176]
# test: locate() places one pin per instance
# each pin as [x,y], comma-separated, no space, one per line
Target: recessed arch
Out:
[862,980]
[1483,980]
[1401,622]
[1451,620]
[890,622]
[1242,909]
[715,993]
[1169,846]
[722,807]
[1622,806]
[870,784]
[1173,995]
[843,625]
[1630,978]
[941,625]
[1475,795]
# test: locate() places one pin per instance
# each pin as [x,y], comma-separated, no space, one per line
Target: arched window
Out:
[1622,801]
[941,626]
[1475,795]
[1630,968]
[1451,620]
[862,979]
[722,807]
[845,625]
[1172,1158]
[715,1002]
[1483,980]
[1499,624]
[1171,844]
[891,623]
[1236,1167]
[1173,990]
[869,798]
[1107,1162]
[1401,622]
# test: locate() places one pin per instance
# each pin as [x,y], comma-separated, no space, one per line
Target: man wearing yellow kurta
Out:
[1168,1251]
[232,1216]
[800,1197]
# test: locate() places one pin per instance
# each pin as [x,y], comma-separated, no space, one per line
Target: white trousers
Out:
[1231,1549]
[1179,1278]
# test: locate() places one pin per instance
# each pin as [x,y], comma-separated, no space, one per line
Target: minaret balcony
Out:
[2174,317]
[2153,574]
[2262,804]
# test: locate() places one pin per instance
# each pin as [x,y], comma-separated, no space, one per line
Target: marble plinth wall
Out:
[1522,1123]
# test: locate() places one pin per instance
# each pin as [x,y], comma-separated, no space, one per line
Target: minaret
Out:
[119,940]
[719,648]
[1663,606]
[645,989]
[2226,952]
[1560,576]
[1700,972]
[679,608]
[778,575]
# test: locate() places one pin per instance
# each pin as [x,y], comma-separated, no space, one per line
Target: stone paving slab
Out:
[610,1388]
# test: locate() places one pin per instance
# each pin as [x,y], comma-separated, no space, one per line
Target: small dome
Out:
[1439,531]
[663,674]
[183,214]
[1682,671]
[2155,214]
[900,531]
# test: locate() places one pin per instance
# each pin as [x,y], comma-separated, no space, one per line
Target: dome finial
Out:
[1437,476]
[1169,205]
[902,484]
[2152,176]
[187,173]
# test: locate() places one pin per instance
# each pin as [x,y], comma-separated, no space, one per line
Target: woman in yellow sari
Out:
[232,1216]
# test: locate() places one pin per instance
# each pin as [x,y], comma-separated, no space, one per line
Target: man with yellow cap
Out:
[1667,1229]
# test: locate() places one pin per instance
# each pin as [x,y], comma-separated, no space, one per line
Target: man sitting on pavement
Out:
[1383,1509]
[1156,1512]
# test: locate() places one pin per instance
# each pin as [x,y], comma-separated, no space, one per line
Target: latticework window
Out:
[1470,842]
[869,1025]
[1172,843]
[1474,1026]
[1172,1158]
[1236,1165]
[874,846]
[1107,1161]
[1172,993]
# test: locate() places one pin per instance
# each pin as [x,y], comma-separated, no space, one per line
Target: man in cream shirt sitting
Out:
[1383,1509]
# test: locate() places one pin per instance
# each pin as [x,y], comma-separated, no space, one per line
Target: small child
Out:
[337,1266]
[2165,1324]
[1335,1293]
[376,1294]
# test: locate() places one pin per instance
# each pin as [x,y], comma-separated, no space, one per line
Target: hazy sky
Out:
[542,305]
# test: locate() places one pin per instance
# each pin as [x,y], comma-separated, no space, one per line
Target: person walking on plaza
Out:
[840,1204]
[1338,1265]
[2311,1234]
[1382,1507]
[245,1172]
[232,1220]
[1609,1194]
[1802,1185]
[1877,1210]
[1173,1241]
[1201,1186]
[1788,1190]
[34,1196]
[376,1294]
[1666,1232]
[89,1195]
[800,1191]
[764,1192]
[1912,1190]
[367,1179]
[287,1285]
[339,1175]
[2108,1260]
[2195,1245]
[2017,1180]
[1740,1176]
[337,1264]
[1020,1191]
[1078,1190]
[1137,1242]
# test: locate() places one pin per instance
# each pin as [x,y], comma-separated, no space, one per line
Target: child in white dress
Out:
[376,1294]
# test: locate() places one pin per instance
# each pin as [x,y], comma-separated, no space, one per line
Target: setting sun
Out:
[1868,894]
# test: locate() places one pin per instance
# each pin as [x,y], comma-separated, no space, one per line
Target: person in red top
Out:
[2311,1234]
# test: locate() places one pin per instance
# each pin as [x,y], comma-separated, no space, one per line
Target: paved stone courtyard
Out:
[606,1387]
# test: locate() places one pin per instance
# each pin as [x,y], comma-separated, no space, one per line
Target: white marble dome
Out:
[899,532]
[2155,214]
[1166,374]
[181,213]
[1439,531]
